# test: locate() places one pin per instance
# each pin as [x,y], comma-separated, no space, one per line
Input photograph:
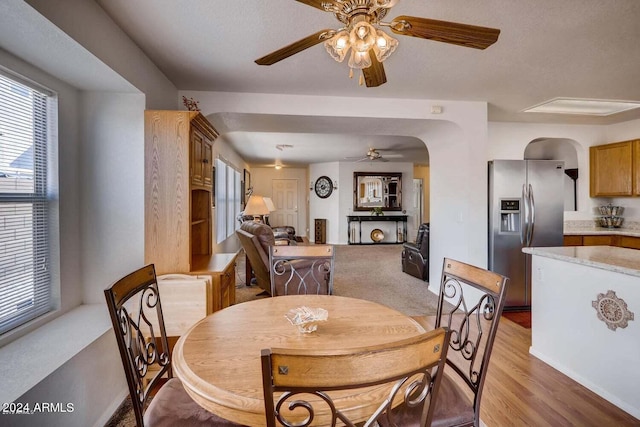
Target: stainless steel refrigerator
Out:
[526,208]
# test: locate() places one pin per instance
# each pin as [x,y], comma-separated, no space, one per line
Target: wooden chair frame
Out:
[412,366]
[303,269]
[141,344]
[469,338]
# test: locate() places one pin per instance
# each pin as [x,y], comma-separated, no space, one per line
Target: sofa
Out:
[415,256]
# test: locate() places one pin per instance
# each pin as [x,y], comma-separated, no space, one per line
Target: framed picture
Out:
[247,186]
[242,191]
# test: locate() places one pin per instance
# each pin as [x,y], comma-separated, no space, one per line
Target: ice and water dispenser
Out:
[509,215]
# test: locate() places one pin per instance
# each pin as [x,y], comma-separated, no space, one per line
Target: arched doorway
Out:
[559,149]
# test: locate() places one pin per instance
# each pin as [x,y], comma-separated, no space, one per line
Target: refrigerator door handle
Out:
[524,216]
[532,221]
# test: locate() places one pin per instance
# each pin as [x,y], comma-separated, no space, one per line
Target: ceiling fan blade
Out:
[374,75]
[293,48]
[317,3]
[444,31]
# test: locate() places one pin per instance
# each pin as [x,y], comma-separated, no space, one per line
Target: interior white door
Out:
[418,202]
[285,199]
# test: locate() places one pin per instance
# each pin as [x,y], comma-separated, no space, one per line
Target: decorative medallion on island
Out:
[612,310]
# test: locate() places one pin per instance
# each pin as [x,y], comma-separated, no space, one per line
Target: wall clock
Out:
[324,187]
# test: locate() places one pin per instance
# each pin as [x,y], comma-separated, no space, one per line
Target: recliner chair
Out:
[415,256]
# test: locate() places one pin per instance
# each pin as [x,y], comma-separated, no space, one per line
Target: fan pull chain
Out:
[350,73]
[361,80]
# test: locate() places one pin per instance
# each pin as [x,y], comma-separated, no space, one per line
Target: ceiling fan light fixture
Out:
[338,45]
[385,45]
[359,60]
[362,37]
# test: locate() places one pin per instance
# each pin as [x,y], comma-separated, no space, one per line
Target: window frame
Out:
[36,199]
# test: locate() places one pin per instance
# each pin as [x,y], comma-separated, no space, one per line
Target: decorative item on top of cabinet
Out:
[178,193]
[615,169]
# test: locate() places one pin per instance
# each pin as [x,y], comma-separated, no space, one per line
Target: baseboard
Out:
[111,409]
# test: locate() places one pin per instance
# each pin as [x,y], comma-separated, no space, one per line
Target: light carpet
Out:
[370,272]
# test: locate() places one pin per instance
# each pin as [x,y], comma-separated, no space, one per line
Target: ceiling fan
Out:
[372,155]
[369,45]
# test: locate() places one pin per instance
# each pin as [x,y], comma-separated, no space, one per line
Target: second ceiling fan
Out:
[369,45]
[373,155]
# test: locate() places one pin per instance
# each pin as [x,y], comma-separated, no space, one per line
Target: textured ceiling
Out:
[546,49]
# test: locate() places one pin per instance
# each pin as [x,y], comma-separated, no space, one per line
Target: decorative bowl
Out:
[306,319]
[377,235]
[610,221]
[610,210]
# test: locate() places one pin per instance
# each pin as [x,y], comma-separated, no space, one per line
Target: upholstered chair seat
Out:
[172,406]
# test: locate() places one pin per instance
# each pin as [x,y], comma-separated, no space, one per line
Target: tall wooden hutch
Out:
[179,201]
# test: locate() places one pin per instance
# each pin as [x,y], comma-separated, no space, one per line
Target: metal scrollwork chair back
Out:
[470,304]
[303,269]
[305,388]
[136,315]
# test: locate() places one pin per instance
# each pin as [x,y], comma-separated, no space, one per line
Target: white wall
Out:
[90,26]
[112,173]
[332,207]
[92,373]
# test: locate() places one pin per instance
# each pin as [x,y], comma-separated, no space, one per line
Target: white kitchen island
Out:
[585,321]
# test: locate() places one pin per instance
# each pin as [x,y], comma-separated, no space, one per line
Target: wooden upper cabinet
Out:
[197,158]
[612,168]
[202,137]
[207,163]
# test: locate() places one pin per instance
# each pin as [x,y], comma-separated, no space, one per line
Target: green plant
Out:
[377,211]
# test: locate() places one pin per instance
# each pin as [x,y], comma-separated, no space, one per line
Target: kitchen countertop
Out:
[619,260]
[631,228]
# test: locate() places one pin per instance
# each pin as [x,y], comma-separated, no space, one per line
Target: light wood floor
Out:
[521,390]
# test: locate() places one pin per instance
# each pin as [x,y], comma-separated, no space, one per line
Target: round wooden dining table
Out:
[218,359]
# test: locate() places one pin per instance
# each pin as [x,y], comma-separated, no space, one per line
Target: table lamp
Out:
[270,206]
[257,207]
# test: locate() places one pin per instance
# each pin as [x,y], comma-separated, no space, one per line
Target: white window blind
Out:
[25,286]
[221,200]
[227,199]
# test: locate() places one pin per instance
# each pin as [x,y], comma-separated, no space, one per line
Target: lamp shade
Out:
[269,203]
[256,206]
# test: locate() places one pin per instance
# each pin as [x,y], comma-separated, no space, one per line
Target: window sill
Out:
[31,358]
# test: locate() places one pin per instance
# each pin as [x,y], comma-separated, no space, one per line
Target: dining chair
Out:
[470,304]
[301,269]
[300,385]
[158,399]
